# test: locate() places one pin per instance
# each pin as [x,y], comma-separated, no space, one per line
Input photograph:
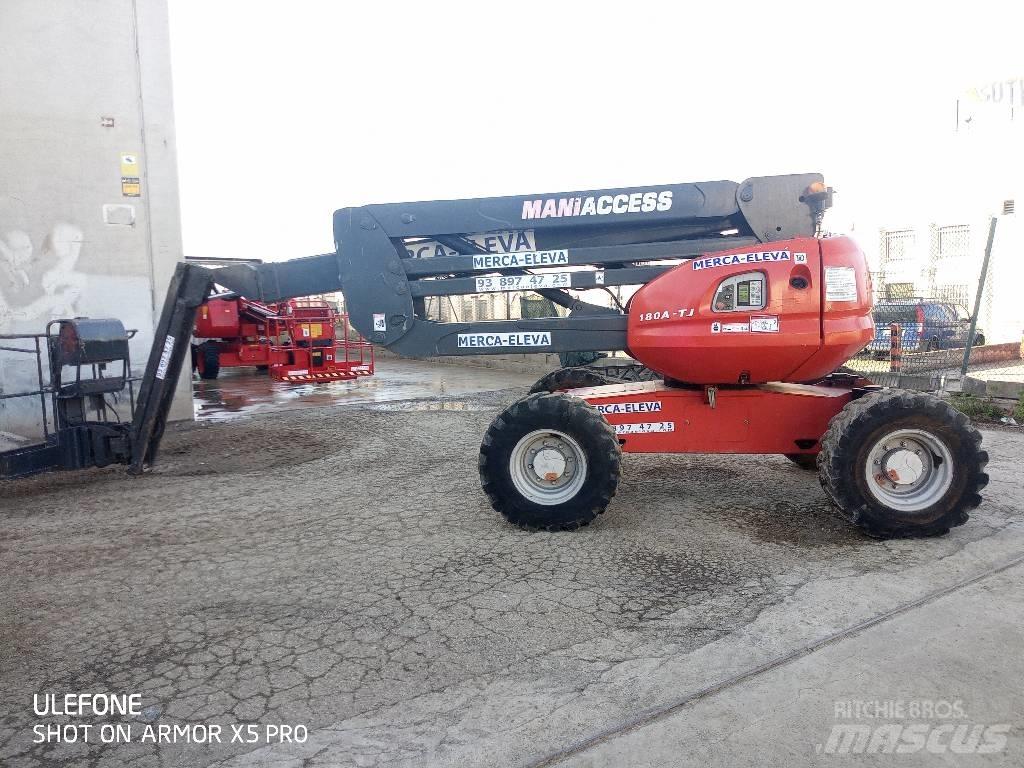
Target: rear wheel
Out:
[568,378]
[550,462]
[209,356]
[902,464]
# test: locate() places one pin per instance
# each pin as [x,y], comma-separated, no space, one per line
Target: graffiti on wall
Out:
[37,284]
[45,275]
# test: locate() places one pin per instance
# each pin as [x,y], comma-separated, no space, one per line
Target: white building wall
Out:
[970,171]
[931,273]
[1005,284]
[82,85]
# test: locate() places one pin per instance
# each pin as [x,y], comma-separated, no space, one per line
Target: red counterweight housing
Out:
[218,318]
[790,311]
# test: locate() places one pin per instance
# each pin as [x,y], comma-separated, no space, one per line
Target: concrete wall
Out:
[83,85]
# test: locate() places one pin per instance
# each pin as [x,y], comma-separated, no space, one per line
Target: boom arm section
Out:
[624,236]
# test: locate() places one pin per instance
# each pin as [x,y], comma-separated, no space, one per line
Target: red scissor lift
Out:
[295,340]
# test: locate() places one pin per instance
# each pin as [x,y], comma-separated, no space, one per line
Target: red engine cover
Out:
[792,311]
[218,319]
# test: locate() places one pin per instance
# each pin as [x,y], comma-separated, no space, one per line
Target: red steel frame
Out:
[651,417]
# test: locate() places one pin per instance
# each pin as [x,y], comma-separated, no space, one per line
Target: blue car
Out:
[925,326]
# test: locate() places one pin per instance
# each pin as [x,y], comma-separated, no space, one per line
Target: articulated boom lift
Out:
[743,315]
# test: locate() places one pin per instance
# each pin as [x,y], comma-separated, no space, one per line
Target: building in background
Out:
[89,214]
[933,246]
[944,260]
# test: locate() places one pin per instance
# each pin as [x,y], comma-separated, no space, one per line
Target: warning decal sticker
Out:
[735,327]
[130,185]
[840,284]
[764,324]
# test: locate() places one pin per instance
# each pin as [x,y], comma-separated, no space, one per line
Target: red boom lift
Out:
[295,340]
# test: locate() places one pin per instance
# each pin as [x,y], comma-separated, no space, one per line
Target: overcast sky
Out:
[288,110]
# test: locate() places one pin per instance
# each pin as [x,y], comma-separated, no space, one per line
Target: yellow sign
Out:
[130,185]
[129,164]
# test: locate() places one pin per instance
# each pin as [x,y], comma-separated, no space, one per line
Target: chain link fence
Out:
[925,291]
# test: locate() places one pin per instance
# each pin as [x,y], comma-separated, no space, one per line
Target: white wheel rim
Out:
[548,467]
[909,470]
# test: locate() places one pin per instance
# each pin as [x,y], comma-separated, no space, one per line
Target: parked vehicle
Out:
[925,325]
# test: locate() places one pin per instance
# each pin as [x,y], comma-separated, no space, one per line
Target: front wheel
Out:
[901,464]
[550,462]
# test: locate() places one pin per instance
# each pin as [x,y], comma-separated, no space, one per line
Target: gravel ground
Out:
[339,568]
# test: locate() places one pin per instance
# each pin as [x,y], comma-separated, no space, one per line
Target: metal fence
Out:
[917,336]
[925,305]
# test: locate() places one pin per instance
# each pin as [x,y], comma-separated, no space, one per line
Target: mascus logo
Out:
[561,207]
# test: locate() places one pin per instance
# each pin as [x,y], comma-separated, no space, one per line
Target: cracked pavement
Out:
[340,568]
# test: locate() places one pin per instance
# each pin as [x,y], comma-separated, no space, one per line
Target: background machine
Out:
[294,341]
